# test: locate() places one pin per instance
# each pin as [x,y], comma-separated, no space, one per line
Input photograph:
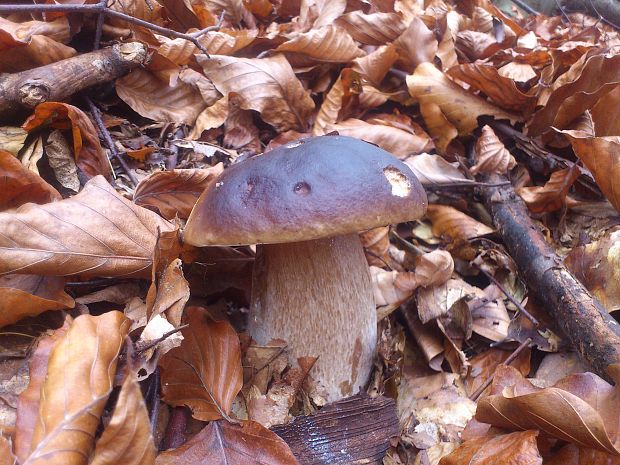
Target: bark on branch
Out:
[587,325]
[60,80]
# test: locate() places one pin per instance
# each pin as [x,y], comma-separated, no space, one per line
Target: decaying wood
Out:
[60,80]
[587,325]
[353,430]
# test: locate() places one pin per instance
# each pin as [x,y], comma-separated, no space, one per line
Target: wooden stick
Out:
[60,80]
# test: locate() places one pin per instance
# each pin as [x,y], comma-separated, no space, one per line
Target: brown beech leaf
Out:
[590,79]
[28,402]
[372,29]
[484,364]
[461,108]
[205,372]
[222,443]
[501,90]
[240,132]
[601,155]
[172,293]
[80,377]
[433,268]
[434,169]
[89,155]
[437,301]
[158,100]
[24,295]
[227,41]
[551,196]
[174,193]
[515,448]
[454,224]
[329,44]
[391,288]
[417,44]
[491,155]
[211,117]
[127,438]
[39,50]
[267,85]
[597,266]
[606,114]
[343,93]
[376,243]
[20,185]
[581,408]
[442,130]
[94,233]
[376,65]
[395,140]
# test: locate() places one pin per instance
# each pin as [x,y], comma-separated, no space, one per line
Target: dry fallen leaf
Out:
[492,157]
[174,193]
[551,196]
[267,85]
[455,225]
[95,233]
[372,29]
[205,372]
[88,153]
[20,185]
[79,379]
[224,443]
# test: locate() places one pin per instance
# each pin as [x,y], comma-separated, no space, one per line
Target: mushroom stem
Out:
[317,295]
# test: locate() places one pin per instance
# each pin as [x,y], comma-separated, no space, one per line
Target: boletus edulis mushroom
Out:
[303,204]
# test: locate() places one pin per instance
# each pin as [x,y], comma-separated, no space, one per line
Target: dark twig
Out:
[508,361]
[99,28]
[105,134]
[520,307]
[161,338]
[102,9]
[525,7]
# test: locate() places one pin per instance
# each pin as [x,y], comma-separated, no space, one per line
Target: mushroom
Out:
[303,203]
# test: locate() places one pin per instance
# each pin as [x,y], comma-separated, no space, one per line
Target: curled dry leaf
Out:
[581,409]
[88,153]
[29,295]
[267,85]
[551,196]
[376,243]
[417,44]
[205,372]
[12,139]
[486,78]
[429,85]
[343,93]
[174,193]
[515,448]
[159,100]
[28,402]
[80,377]
[220,442]
[433,268]
[433,169]
[374,66]
[597,266]
[395,140]
[442,130]
[127,438]
[240,132]
[455,225]
[329,44]
[227,41]
[95,233]
[211,117]
[491,155]
[61,161]
[601,155]
[391,288]
[372,29]
[20,185]
[436,301]
[588,82]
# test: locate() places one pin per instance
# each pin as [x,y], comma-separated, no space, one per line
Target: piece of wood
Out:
[21,92]
[585,322]
[353,430]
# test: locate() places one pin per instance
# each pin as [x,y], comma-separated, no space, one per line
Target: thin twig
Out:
[520,307]
[474,396]
[99,28]
[161,338]
[105,134]
[102,9]
[525,7]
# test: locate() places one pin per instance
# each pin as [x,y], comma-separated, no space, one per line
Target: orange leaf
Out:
[455,225]
[223,443]
[89,155]
[551,196]
[174,193]
[205,372]
[372,29]
[20,185]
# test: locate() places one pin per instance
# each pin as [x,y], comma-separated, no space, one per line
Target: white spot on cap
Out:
[398,181]
[219,184]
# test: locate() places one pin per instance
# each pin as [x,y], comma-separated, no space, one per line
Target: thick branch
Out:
[587,325]
[60,80]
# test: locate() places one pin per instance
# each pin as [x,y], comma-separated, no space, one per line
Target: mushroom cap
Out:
[307,189]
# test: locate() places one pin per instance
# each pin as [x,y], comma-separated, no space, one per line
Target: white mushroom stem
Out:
[317,295]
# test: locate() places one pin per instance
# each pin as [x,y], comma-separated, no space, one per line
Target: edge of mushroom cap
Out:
[307,189]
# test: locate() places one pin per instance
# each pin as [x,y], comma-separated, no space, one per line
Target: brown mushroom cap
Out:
[308,189]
